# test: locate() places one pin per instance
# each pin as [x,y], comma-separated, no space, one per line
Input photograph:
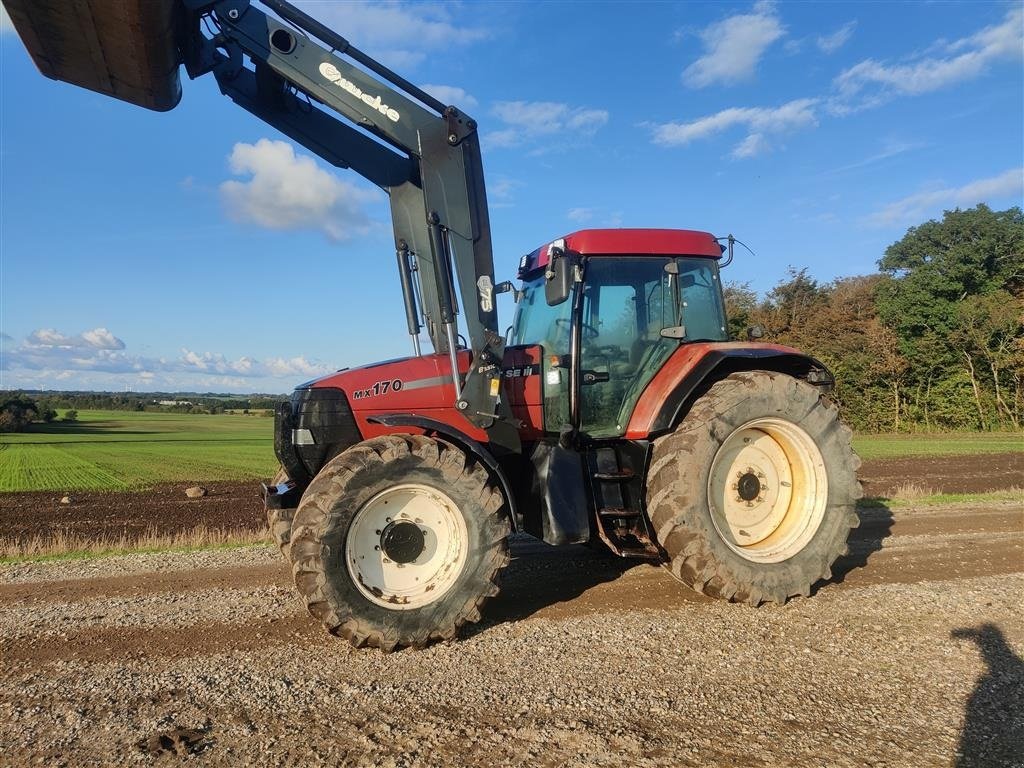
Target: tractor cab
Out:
[607,308]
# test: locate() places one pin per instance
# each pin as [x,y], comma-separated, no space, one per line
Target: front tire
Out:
[279,521]
[754,494]
[399,541]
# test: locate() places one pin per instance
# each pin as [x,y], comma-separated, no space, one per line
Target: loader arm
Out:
[302,78]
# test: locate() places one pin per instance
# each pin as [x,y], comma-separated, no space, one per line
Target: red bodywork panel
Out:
[673,373]
[640,242]
[422,386]
[419,386]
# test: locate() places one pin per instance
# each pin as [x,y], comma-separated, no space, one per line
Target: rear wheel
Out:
[399,540]
[753,496]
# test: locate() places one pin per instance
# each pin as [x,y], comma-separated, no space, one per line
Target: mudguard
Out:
[558,486]
[465,442]
[693,368]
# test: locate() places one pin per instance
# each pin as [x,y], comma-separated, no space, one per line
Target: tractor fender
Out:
[694,368]
[453,435]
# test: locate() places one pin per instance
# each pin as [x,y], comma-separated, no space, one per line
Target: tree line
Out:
[20,409]
[933,341]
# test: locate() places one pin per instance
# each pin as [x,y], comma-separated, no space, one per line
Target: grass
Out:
[125,450]
[937,444]
[928,497]
[61,545]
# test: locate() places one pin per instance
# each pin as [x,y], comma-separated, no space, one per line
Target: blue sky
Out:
[192,250]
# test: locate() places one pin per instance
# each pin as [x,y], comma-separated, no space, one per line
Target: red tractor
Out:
[615,411]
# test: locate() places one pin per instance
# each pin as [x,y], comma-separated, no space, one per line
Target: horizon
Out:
[155,251]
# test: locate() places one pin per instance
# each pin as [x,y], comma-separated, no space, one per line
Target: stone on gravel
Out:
[195,492]
[65,500]
[179,741]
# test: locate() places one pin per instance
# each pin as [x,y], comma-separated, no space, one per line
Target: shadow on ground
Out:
[993,733]
[865,540]
[540,575]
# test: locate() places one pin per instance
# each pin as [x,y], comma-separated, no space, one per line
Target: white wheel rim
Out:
[423,580]
[768,490]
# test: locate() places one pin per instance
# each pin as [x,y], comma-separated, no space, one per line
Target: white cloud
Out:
[915,207]
[450,94]
[289,191]
[759,122]
[870,83]
[101,338]
[400,34]
[6,25]
[734,46]
[97,338]
[831,43]
[527,120]
[755,144]
[501,191]
[47,353]
[890,148]
[595,217]
[294,366]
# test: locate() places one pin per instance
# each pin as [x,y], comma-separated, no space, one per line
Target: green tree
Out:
[952,295]
[740,306]
[17,412]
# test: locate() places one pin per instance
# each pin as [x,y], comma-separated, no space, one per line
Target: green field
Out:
[122,450]
[951,444]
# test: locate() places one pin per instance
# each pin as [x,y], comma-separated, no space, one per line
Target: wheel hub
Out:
[748,486]
[402,541]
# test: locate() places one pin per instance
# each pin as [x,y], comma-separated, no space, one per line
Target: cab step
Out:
[621,476]
[618,512]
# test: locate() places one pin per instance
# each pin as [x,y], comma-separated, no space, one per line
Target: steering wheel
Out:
[589,331]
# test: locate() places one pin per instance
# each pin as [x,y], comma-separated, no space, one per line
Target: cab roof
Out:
[628,242]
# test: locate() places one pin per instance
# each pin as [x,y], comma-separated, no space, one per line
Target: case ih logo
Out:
[331,72]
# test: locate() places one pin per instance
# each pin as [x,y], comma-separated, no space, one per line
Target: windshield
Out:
[537,323]
[702,308]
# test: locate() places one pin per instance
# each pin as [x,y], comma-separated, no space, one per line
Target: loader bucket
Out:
[121,48]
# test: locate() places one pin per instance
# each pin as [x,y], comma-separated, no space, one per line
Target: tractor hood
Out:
[408,382]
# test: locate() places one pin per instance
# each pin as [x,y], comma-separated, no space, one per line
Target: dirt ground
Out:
[165,509]
[237,505]
[909,656]
[944,474]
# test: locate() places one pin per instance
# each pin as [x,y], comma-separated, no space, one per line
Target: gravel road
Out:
[910,657]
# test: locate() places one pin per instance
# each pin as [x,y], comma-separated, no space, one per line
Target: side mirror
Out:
[755,332]
[507,287]
[558,278]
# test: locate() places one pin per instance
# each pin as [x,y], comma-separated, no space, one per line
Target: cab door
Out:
[627,301]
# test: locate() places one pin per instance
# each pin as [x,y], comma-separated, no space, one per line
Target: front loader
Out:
[615,411]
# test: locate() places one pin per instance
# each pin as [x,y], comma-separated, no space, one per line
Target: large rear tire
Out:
[753,496]
[399,541]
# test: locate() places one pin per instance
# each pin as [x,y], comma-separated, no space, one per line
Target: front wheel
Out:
[398,541]
[279,521]
[753,496]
